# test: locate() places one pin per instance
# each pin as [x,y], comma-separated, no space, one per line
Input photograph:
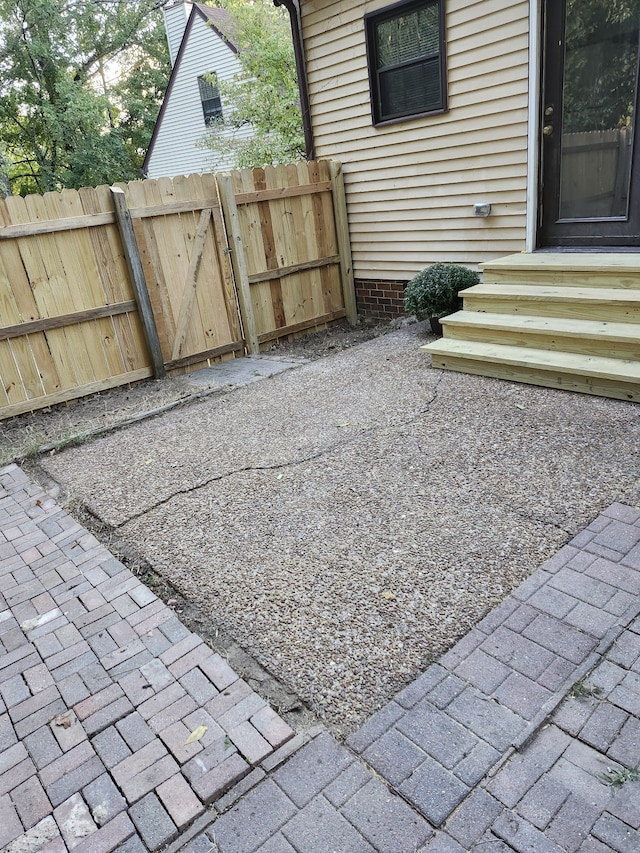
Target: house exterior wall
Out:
[181,125]
[411,185]
[175,21]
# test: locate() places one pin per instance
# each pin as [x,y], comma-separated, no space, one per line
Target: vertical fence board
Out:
[282,275]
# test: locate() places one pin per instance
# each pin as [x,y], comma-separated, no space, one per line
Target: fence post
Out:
[134,265]
[344,242]
[238,260]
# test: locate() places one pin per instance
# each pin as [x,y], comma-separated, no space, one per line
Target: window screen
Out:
[210,97]
[405,46]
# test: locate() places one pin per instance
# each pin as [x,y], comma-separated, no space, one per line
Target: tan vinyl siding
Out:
[411,185]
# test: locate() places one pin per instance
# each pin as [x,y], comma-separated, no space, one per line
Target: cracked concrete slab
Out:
[347,521]
[241,371]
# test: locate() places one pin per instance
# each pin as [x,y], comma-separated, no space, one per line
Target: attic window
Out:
[210,97]
[406,55]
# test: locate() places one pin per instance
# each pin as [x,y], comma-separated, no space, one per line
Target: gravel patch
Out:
[346,522]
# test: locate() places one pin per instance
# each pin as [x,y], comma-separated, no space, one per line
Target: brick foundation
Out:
[380,299]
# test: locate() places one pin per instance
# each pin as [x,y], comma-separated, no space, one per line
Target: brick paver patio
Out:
[121,730]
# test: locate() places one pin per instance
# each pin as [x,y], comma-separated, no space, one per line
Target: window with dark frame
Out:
[210,97]
[406,55]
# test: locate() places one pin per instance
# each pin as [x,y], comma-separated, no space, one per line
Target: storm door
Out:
[590,193]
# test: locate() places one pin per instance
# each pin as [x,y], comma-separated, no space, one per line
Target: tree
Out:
[264,94]
[61,123]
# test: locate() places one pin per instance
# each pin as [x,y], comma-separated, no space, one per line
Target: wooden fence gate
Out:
[101,287]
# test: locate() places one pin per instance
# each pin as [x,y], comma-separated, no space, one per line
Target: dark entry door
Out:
[590,190]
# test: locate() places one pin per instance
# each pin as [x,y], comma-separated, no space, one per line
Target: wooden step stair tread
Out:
[548,292]
[609,263]
[564,326]
[543,360]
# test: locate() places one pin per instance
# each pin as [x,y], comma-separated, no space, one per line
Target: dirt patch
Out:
[50,430]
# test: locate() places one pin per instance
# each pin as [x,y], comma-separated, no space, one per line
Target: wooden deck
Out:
[568,321]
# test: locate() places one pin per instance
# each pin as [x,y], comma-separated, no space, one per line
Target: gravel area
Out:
[348,520]
[25,436]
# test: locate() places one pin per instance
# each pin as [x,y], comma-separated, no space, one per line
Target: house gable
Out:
[175,147]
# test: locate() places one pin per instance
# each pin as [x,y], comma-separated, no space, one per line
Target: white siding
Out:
[176,149]
[411,185]
[175,20]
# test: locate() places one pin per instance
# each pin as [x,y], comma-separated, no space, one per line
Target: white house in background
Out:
[202,50]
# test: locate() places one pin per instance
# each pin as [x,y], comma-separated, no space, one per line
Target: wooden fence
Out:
[106,286]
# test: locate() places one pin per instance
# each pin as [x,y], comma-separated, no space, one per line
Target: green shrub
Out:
[434,291]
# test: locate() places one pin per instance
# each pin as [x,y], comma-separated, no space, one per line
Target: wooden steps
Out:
[558,320]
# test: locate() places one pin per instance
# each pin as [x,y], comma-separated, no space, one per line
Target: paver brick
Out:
[616,834]
[437,733]
[104,799]
[163,699]
[482,671]
[16,775]
[272,727]
[553,601]
[148,778]
[554,635]
[218,671]
[250,742]
[43,747]
[312,768]
[434,791]
[164,718]
[33,703]
[62,788]
[152,822]
[385,820]
[518,652]
[135,731]
[254,819]
[31,802]
[473,818]
[543,801]
[39,718]
[110,747]
[107,716]
[475,765]
[522,695]
[158,676]
[38,678]
[522,836]
[140,760]
[136,686]
[240,712]
[571,826]
[196,683]
[14,690]
[603,726]
[621,576]
[175,738]
[10,825]
[354,777]
[212,783]
[68,731]
[584,587]
[626,746]
[375,727]
[319,828]
[180,801]
[74,820]
[523,770]
[420,686]
[108,838]
[227,698]
[192,659]
[486,719]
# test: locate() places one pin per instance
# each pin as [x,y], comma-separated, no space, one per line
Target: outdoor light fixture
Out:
[481,209]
